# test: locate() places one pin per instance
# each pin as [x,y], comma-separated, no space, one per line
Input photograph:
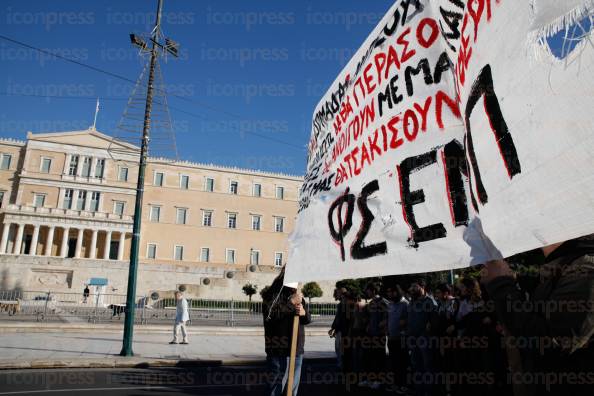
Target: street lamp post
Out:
[132,272]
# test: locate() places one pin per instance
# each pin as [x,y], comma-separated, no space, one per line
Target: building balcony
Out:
[84,179]
[62,213]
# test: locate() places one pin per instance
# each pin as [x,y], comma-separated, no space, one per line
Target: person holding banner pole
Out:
[559,315]
[281,303]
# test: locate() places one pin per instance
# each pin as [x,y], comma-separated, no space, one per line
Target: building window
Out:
[278,259]
[257,191]
[73,167]
[233,186]
[100,168]
[81,200]
[205,255]
[209,184]
[118,208]
[5,160]
[255,257]
[1,198]
[232,220]
[230,256]
[46,164]
[151,251]
[181,215]
[207,218]
[86,169]
[158,181]
[155,215]
[39,200]
[95,196]
[280,192]
[184,182]
[122,173]
[68,195]
[178,254]
[256,222]
[279,224]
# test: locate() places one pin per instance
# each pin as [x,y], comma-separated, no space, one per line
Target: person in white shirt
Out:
[181,317]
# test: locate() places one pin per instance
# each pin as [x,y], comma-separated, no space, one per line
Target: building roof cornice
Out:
[158,160]
[222,168]
[12,142]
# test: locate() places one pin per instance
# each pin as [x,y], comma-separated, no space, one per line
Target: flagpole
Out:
[293,355]
[96,112]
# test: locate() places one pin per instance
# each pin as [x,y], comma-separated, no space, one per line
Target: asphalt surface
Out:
[197,321]
[318,378]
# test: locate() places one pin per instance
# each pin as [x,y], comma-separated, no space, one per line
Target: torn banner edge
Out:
[539,32]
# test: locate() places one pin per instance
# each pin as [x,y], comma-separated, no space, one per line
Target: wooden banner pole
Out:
[293,356]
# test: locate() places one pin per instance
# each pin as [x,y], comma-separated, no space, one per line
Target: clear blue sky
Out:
[291,52]
[245,66]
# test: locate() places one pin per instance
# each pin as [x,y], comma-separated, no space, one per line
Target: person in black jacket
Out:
[554,329]
[339,324]
[280,305]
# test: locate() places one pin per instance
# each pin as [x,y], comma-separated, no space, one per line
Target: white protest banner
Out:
[457,133]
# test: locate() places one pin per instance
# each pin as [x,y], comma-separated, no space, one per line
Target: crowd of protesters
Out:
[426,332]
[487,334]
[479,334]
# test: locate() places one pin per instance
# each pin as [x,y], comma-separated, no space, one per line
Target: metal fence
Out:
[105,308]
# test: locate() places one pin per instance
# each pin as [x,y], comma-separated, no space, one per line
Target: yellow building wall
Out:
[7,177]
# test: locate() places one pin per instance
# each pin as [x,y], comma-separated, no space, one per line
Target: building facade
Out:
[66,214]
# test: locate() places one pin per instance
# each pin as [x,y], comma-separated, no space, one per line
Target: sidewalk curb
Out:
[137,363]
[142,329]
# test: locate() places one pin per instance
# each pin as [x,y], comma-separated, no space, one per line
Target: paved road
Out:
[99,345]
[317,322]
[317,379]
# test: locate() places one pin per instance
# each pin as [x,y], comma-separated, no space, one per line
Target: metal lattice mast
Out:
[157,49]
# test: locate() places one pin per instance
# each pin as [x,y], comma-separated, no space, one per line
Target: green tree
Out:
[264,291]
[353,286]
[249,290]
[312,290]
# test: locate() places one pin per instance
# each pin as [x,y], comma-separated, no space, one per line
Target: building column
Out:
[121,245]
[61,194]
[64,247]
[34,239]
[4,242]
[18,241]
[107,245]
[100,209]
[79,241]
[74,203]
[50,241]
[88,200]
[93,166]
[66,164]
[92,253]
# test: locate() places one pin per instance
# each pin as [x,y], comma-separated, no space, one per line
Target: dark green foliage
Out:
[249,290]
[312,290]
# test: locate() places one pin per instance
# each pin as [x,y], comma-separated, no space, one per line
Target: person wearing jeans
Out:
[280,369]
[280,306]
[181,317]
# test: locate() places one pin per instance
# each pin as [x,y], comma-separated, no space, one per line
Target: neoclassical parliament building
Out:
[66,214]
